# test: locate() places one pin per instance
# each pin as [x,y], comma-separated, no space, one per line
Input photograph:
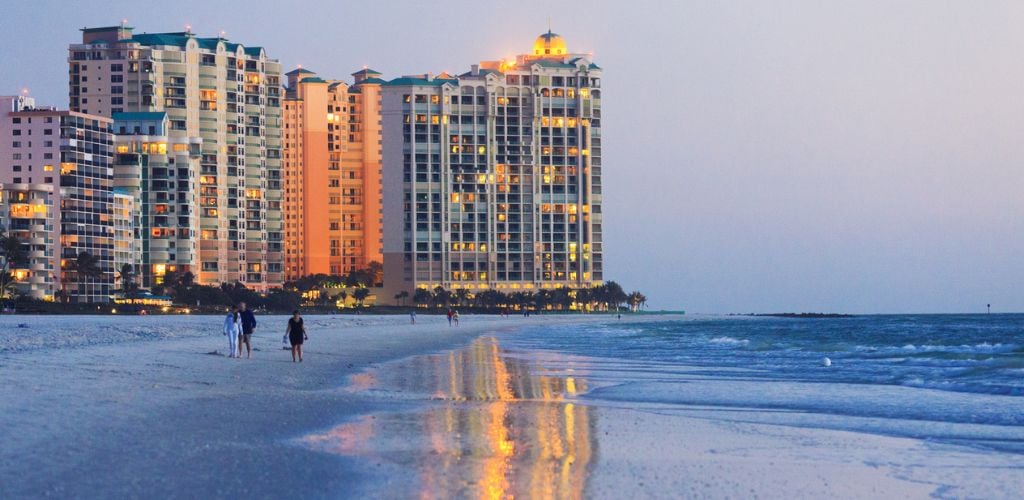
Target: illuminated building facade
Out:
[72,152]
[126,250]
[222,98]
[493,177]
[162,175]
[332,164]
[28,213]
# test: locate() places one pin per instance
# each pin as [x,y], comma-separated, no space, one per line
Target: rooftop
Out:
[139,115]
[367,71]
[298,71]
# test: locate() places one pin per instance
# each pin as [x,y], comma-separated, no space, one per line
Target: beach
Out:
[100,406]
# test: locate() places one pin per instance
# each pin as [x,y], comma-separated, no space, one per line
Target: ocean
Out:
[950,378]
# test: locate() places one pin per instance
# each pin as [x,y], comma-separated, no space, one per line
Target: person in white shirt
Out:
[232,328]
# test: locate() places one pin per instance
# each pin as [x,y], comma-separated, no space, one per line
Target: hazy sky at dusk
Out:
[759,156]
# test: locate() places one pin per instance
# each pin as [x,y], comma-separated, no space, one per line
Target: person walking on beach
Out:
[412,316]
[455,317]
[450,314]
[233,328]
[248,327]
[296,333]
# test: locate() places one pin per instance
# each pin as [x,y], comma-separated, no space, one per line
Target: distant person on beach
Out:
[296,333]
[412,316]
[248,327]
[455,317]
[450,315]
[233,328]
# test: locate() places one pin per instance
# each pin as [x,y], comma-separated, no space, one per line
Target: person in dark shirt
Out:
[248,327]
[296,334]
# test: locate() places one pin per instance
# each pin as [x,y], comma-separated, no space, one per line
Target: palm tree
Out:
[614,294]
[401,296]
[127,277]
[422,296]
[360,294]
[442,297]
[86,267]
[13,254]
[461,297]
[636,300]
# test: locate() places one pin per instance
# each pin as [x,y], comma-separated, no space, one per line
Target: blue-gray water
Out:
[954,378]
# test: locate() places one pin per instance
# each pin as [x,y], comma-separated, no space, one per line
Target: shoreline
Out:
[381,407]
[187,421]
[632,448]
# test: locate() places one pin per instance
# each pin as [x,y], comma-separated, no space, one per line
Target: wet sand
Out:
[386,410]
[165,418]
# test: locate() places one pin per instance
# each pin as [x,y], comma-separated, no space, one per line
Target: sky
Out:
[825,156]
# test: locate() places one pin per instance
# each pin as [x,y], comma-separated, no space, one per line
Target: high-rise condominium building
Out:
[71,151]
[156,169]
[127,253]
[332,163]
[27,212]
[493,177]
[222,98]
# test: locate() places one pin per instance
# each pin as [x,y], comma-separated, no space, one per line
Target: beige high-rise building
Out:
[220,214]
[492,178]
[147,164]
[28,213]
[332,164]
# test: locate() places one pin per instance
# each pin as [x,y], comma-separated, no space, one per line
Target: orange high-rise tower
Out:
[332,161]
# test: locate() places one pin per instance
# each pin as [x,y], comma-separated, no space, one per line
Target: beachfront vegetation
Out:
[12,255]
[86,268]
[602,298]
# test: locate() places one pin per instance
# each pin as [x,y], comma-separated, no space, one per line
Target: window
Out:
[117,89]
[116,78]
[48,131]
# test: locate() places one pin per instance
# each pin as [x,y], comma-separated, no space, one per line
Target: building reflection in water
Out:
[491,428]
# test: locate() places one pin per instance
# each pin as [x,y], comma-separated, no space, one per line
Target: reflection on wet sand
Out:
[494,429]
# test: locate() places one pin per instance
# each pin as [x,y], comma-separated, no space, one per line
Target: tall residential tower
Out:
[332,163]
[492,178]
[71,153]
[214,199]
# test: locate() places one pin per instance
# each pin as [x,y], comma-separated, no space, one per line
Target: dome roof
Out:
[549,44]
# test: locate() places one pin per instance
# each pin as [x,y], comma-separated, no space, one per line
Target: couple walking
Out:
[238,327]
[240,324]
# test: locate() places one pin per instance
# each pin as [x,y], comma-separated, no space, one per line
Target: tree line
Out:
[609,296]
